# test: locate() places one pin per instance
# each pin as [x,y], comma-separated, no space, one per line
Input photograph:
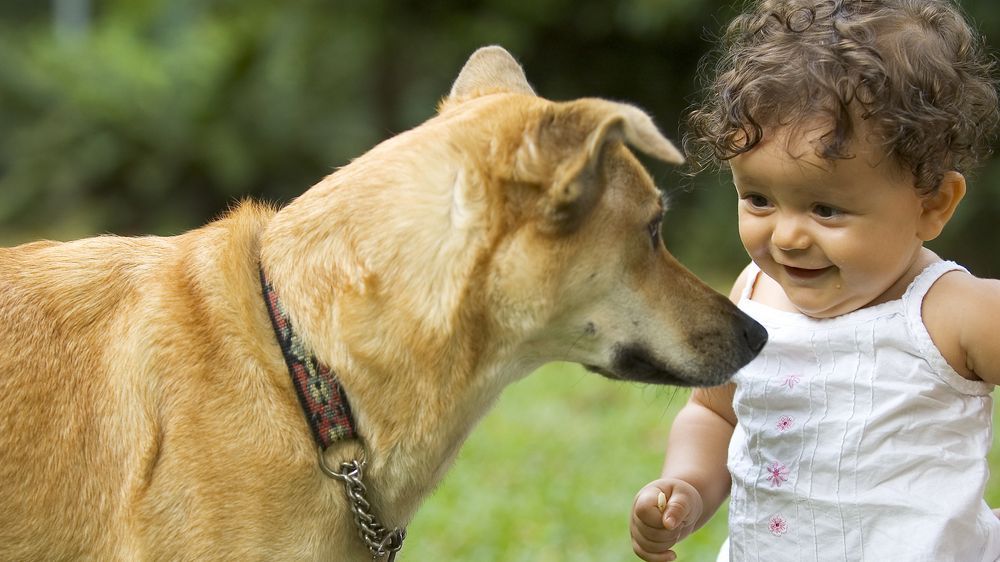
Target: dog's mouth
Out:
[637,364]
[664,377]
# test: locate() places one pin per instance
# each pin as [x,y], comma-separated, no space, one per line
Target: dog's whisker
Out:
[572,346]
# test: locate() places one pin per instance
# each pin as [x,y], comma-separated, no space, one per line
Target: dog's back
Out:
[60,306]
[100,338]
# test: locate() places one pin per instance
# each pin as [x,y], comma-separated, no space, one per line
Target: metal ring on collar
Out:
[380,541]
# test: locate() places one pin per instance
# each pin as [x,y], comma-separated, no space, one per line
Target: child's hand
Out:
[665,511]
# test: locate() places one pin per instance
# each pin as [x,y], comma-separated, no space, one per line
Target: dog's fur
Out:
[145,409]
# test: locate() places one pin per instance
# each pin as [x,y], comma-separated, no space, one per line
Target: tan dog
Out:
[146,408]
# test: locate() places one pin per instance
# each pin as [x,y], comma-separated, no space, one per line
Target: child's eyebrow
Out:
[744,186]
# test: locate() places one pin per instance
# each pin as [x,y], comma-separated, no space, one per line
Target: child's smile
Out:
[835,235]
[803,274]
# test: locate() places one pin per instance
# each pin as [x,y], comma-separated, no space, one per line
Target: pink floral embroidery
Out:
[784,422]
[791,380]
[777,525]
[776,473]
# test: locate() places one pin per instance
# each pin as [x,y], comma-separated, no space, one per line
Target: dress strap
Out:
[913,301]
[753,274]
[915,293]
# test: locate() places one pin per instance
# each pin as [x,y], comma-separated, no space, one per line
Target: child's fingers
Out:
[646,507]
[651,535]
[663,513]
[676,512]
[668,556]
[653,551]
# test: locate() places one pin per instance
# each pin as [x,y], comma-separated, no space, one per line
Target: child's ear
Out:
[939,206]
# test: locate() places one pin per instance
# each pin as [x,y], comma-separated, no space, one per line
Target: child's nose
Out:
[790,234]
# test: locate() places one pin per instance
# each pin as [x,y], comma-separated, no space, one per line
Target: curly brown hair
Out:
[914,72]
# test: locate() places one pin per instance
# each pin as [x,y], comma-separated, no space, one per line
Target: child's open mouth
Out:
[801,273]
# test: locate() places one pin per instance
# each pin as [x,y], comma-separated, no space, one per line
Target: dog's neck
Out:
[422,365]
[409,431]
[320,393]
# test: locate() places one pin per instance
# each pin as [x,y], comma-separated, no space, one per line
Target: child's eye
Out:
[826,211]
[756,201]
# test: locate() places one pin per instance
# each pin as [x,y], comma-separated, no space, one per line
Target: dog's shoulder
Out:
[96,276]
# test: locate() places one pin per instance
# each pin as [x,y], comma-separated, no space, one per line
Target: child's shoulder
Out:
[962,315]
[739,286]
[760,288]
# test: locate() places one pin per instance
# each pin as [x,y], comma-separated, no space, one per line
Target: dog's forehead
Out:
[534,134]
[630,183]
[487,104]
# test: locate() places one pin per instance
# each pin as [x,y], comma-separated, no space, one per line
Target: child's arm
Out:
[695,480]
[698,447]
[979,338]
[962,315]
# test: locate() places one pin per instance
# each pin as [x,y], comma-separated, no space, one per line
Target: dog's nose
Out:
[755,334]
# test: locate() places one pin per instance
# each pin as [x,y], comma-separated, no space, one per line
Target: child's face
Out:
[836,235]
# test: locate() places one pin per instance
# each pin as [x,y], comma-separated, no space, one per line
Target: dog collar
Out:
[329,416]
[320,393]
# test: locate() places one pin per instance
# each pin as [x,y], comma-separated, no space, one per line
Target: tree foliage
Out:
[158,114]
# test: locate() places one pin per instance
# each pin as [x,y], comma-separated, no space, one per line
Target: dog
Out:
[289,384]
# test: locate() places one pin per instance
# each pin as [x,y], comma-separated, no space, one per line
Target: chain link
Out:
[381,541]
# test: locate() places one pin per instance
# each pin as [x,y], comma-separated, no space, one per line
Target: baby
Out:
[861,431]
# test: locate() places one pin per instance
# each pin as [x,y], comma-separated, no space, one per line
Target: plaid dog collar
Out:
[320,394]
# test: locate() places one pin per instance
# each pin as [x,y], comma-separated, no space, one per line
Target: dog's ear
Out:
[489,70]
[577,182]
[633,126]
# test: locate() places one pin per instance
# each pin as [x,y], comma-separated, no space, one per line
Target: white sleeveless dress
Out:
[856,441]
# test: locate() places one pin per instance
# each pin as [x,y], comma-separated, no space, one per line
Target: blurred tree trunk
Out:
[71,20]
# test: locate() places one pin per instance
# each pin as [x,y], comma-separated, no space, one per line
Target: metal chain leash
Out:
[381,541]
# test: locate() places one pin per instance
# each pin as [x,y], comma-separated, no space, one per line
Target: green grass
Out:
[550,473]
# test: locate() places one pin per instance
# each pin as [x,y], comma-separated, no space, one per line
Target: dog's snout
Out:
[755,334]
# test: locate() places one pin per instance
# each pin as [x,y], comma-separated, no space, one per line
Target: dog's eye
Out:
[654,230]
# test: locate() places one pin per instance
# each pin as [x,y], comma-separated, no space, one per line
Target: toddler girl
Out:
[861,430]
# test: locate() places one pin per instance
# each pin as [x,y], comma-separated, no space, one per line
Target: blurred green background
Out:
[154,116]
